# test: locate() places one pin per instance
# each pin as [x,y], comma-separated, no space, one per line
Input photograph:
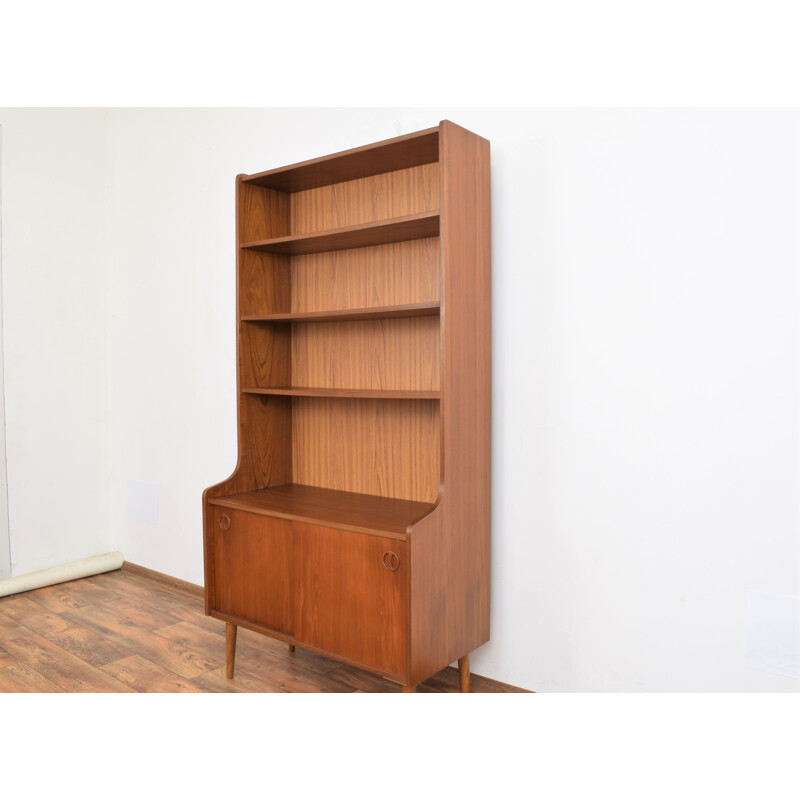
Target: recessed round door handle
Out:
[391,560]
[224,522]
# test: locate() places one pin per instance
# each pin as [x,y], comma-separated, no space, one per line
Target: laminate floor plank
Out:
[363,681]
[10,628]
[21,678]
[447,681]
[32,615]
[55,598]
[135,611]
[178,659]
[6,658]
[145,612]
[143,675]
[66,671]
[286,676]
[271,663]
[144,591]
[197,616]
[190,635]
[304,659]
[216,681]
[93,648]
[247,638]
[119,632]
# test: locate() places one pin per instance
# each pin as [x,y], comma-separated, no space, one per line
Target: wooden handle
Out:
[224,522]
[391,560]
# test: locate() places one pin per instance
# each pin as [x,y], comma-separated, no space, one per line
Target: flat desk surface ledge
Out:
[364,513]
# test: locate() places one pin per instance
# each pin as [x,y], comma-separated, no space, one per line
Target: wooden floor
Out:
[119,632]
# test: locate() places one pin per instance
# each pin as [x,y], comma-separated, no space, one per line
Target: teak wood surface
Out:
[403,152]
[430,309]
[360,513]
[364,340]
[370,234]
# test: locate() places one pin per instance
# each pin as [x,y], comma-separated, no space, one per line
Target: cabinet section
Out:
[252,564]
[351,595]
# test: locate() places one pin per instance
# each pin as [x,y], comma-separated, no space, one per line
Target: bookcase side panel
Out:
[450,549]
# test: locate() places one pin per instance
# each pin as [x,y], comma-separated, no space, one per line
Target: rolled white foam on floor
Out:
[63,572]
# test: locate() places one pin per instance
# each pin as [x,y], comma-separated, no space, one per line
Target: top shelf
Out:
[403,152]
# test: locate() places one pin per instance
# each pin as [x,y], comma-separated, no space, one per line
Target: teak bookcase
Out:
[357,521]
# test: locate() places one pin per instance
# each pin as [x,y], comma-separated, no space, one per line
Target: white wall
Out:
[645,369]
[645,304]
[5,542]
[55,335]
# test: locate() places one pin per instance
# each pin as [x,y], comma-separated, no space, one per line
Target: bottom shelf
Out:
[364,513]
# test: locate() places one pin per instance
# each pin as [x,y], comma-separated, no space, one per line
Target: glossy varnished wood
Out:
[344,510]
[351,594]
[365,234]
[253,562]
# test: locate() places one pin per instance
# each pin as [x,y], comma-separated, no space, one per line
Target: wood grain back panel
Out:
[390,194]
[264,283]
[266,445]
[388,448]
[265,354]
[263,213]
[392,274]
[380,354]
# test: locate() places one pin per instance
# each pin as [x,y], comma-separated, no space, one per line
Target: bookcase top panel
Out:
[410,150]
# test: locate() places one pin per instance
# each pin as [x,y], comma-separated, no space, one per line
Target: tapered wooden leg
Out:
[230,648]
[291,648]
[409,688]
[463,673]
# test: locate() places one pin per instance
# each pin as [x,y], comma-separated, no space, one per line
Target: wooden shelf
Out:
[389,155]
[388,231]
[364,513]
[364,394]
[352,315]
